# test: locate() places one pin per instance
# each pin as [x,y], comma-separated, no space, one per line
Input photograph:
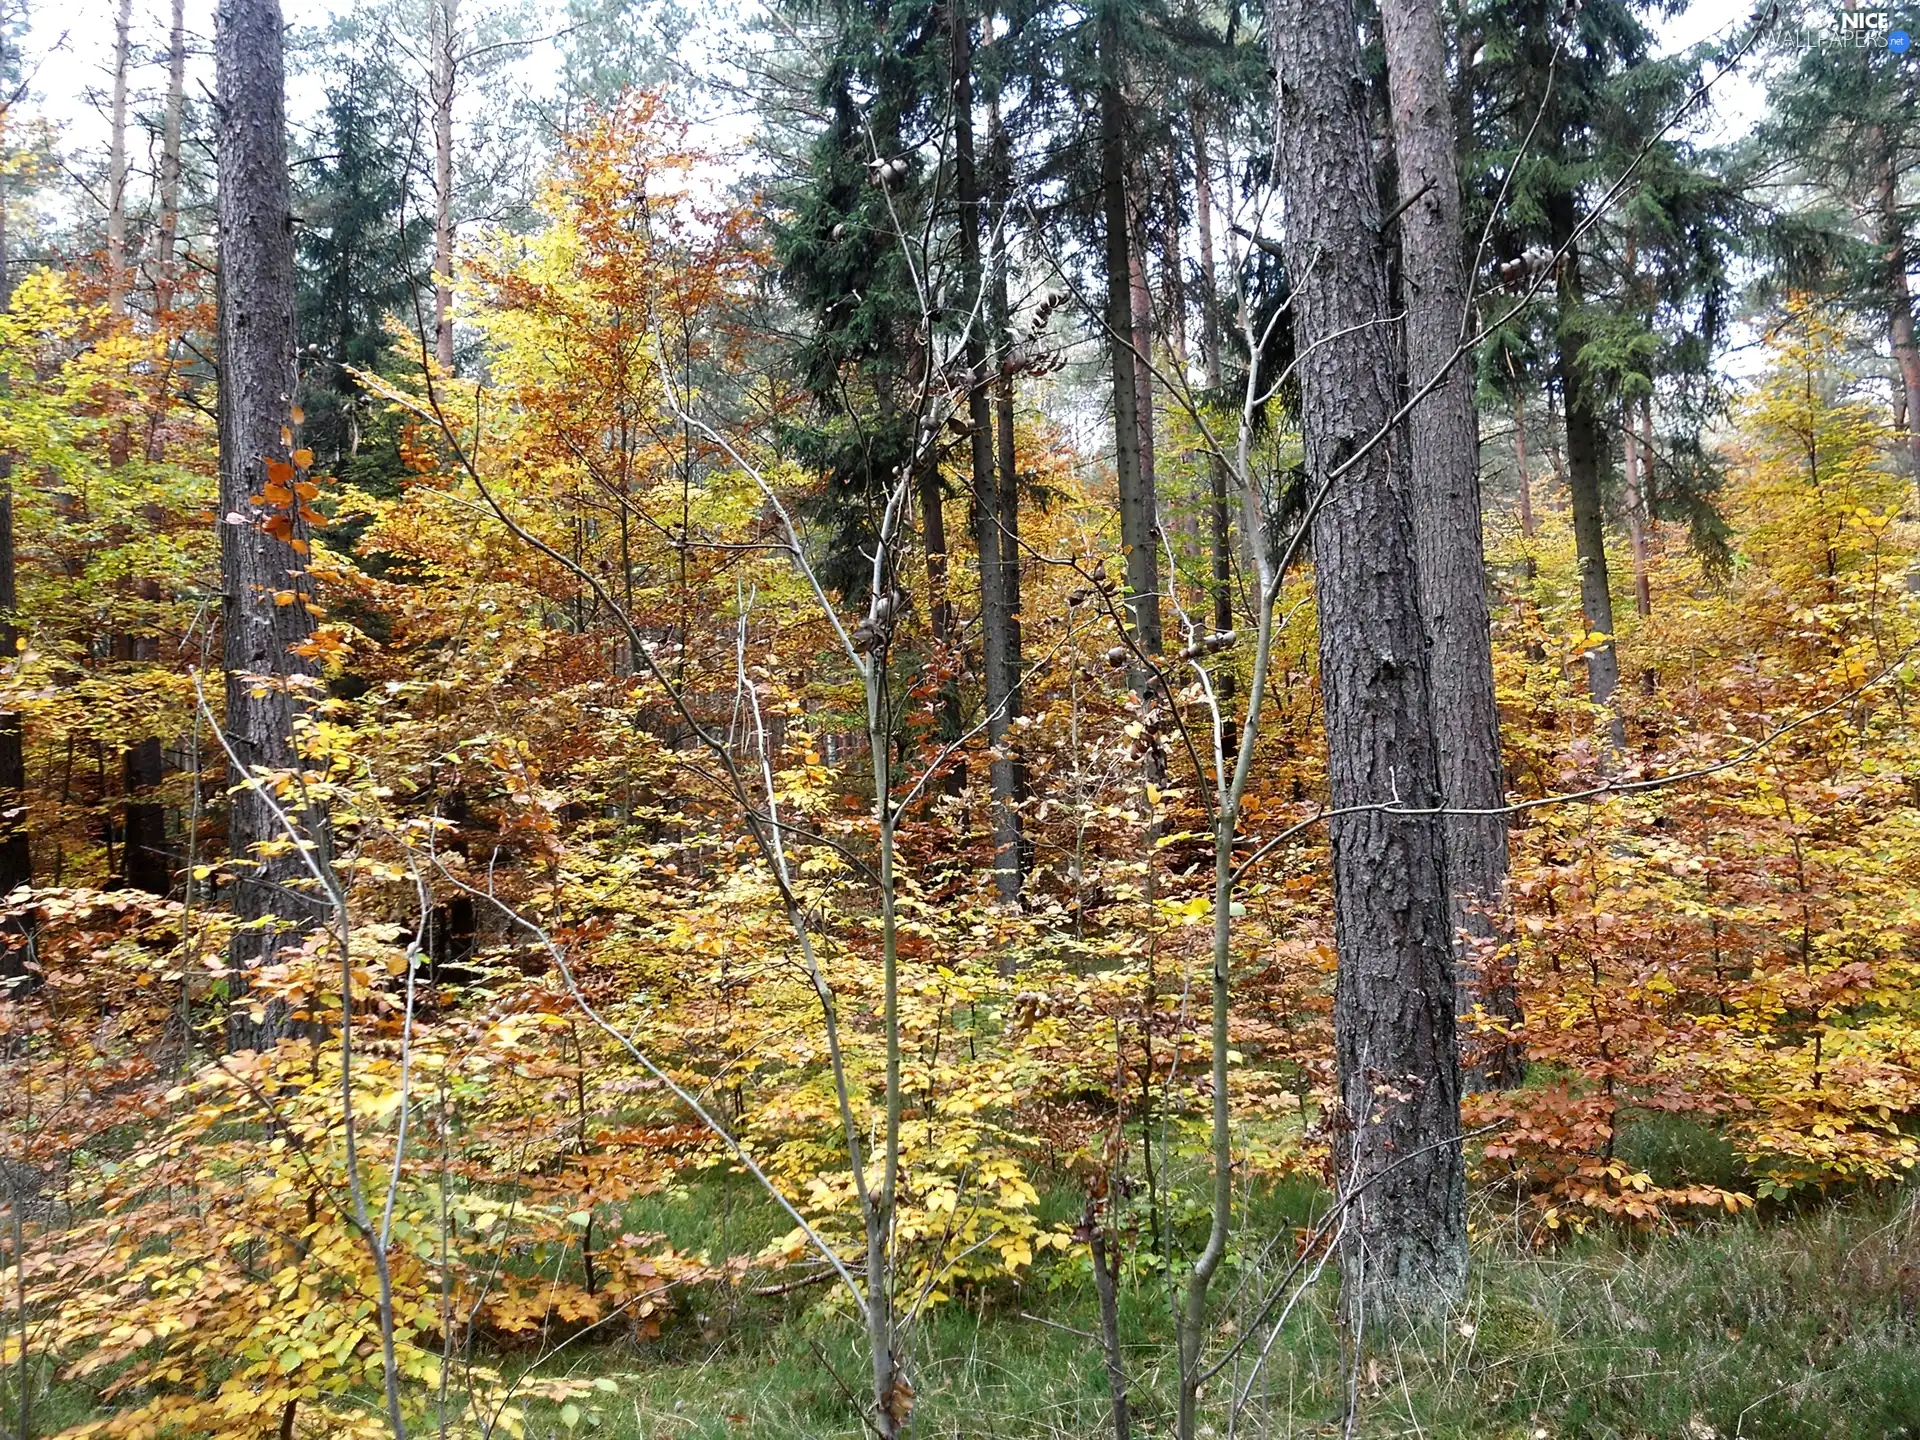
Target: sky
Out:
[74,44]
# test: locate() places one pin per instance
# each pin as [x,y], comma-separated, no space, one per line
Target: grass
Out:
[1787,1324]
[1792,1325]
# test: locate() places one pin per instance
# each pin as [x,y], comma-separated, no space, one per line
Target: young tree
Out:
[1443,445]
[1843,119]
[1400,1165]
[264,550]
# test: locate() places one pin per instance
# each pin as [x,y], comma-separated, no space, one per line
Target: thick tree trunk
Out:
[996,611]
[1400,1167]
[1444,445]
[1586,459]
[117,277]
[440,98]
[262,537]
[1137,507]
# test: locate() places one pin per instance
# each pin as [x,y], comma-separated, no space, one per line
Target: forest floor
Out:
[1781,1323]
[1777,1324]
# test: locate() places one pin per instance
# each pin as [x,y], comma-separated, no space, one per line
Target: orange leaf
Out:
[303,457]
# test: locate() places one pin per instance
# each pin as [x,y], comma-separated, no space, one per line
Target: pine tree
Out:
[263,544]
[1843,120]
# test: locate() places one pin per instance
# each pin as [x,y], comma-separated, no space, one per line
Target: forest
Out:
[959,718]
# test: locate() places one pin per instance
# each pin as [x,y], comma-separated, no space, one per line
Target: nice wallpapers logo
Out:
[1853,28]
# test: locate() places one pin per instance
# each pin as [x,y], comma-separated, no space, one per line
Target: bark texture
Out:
[996,605]
[165,273]
[16,860]
[1443,446]
[446,16]
[256,409]
[1906,351]
[1210,343]
[1404,1247]
[1586,458]
[1138,508]
[117,273]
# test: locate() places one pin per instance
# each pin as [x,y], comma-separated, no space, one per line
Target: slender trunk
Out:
[1527,526]
[165,261]
[445,18]
[1633,461]
[117,282]
[996,613]
[1555,428]
[1399,1160]
[1906,352]
[1140,310]
[1210,361]
[1586,457]
[1000,145]
[16,860]
[1444,445]
[263,544]
[1106,1285]
[1136,500]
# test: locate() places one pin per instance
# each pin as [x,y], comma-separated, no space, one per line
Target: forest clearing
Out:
[959,718]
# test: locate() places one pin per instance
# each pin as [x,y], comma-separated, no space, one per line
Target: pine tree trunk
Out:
[1527,526]
[1399,1161]
[1906,352]
[445,18]
[256,408]
[1137,518]
[1006,455]
[117,280]
[1444,445]
[16,859]
[1586,457]
[165,261]
[1634,461]
[1140,309]
[996,612]
[1210,341]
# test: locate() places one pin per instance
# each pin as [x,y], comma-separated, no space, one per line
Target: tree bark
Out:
[1006,455]
[1906,352]
[257,564]
[1210,342]
[1586,455]
[165,261]
[1140,309]
[1400,1167]
[1634,460]
[440,98]
[117,283]
[16,858]
[1137,507]
[996,611]
[1527,526]
[1444,445]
